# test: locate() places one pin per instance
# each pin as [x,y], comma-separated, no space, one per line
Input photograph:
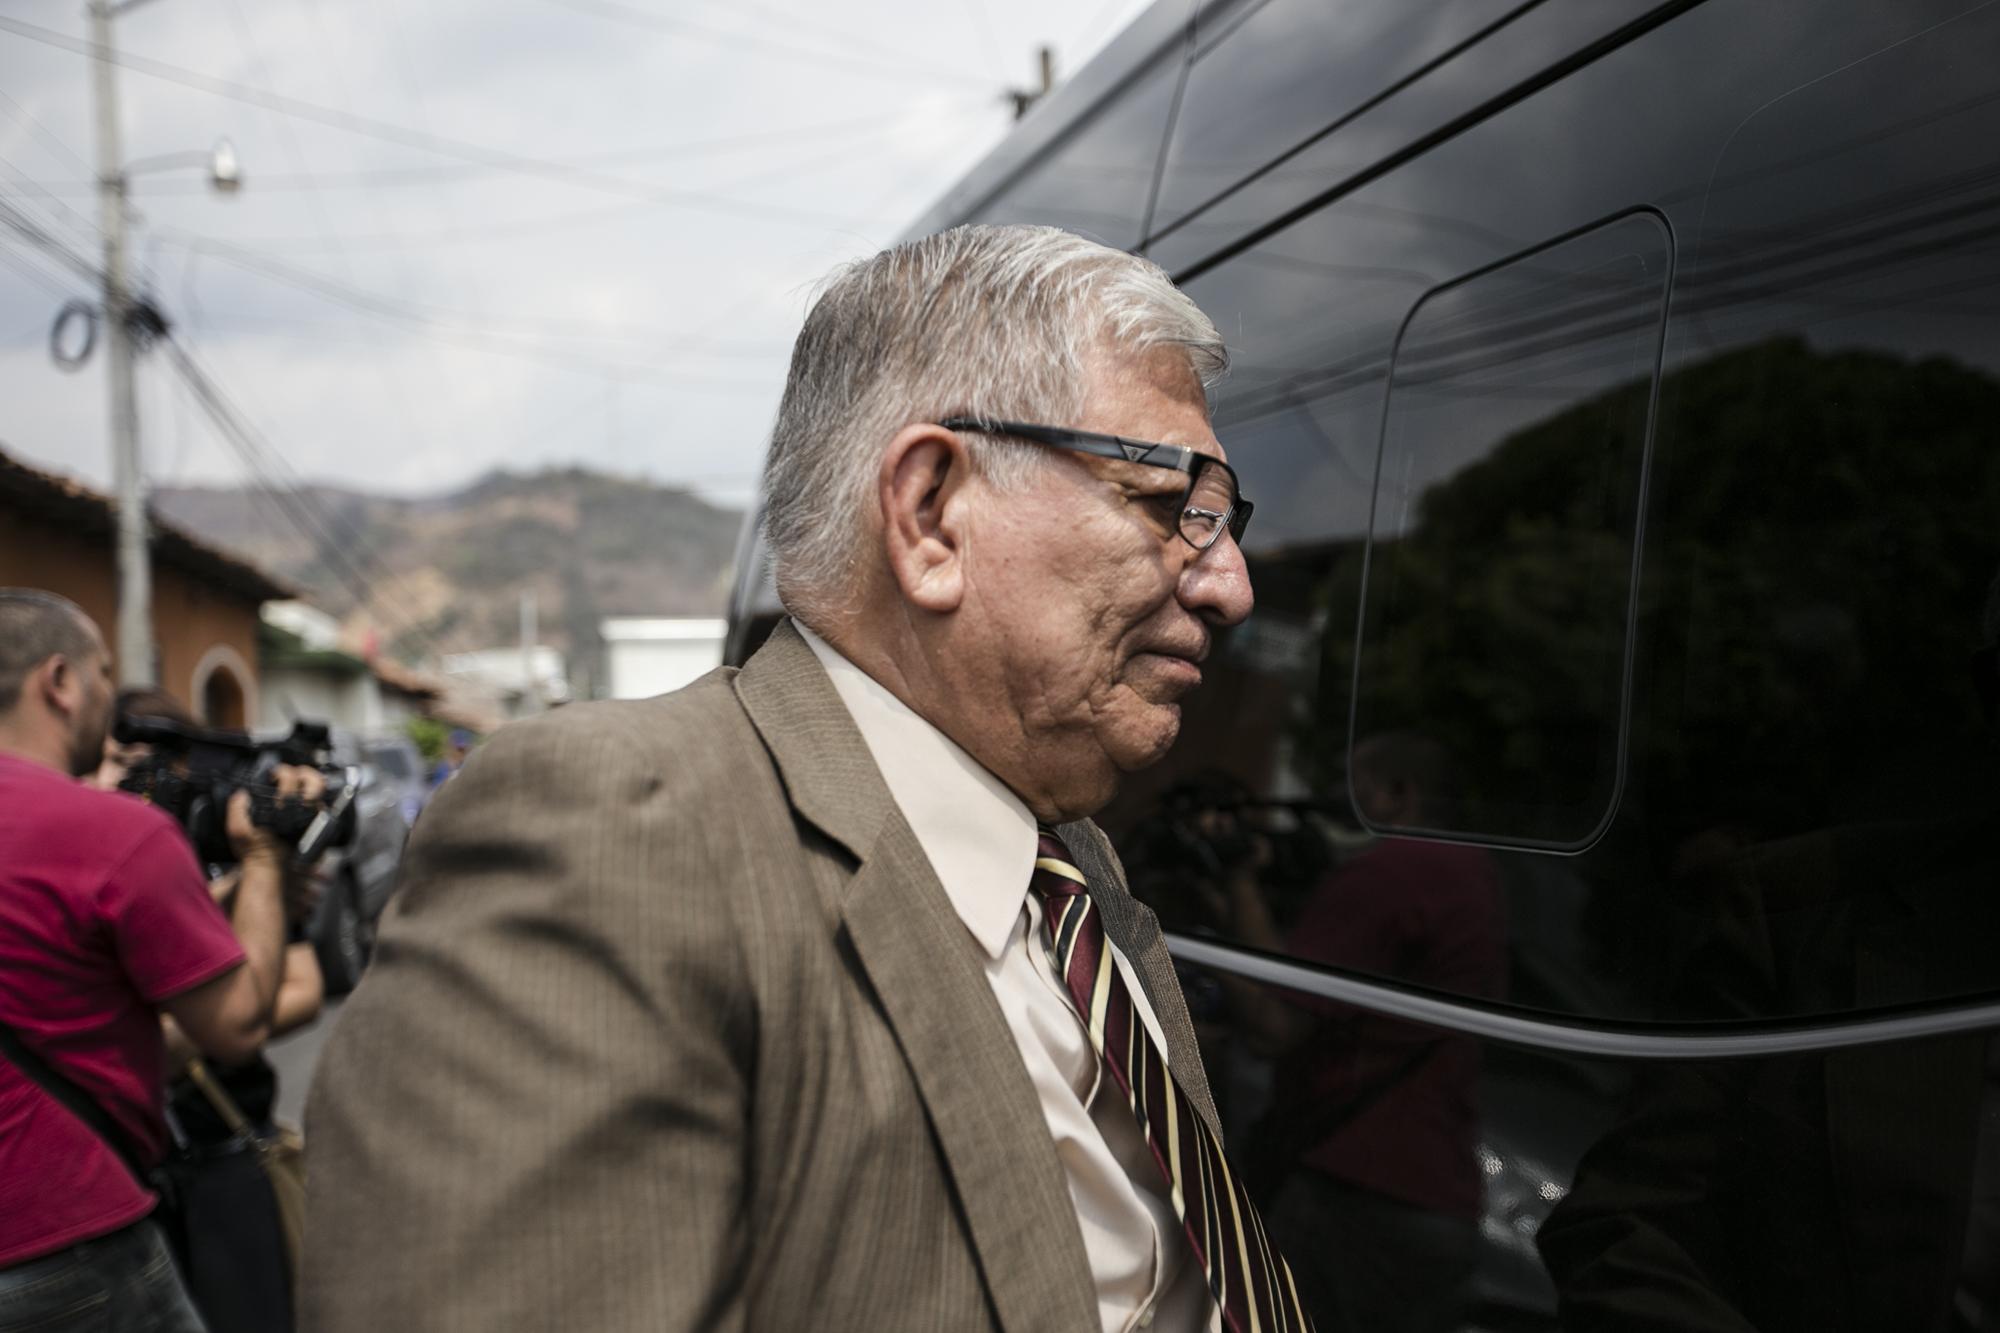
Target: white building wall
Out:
[352,703]
[649,655]
[506,672]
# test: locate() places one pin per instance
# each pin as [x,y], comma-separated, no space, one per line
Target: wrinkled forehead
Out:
[1151,394]
[1111,367]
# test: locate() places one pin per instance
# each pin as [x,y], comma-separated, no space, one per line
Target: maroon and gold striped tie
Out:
[1249,1278]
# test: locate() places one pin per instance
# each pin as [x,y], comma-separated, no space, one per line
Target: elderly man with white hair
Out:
[808,997]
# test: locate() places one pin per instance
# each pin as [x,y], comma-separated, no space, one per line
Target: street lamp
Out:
[225,171]
[126,323]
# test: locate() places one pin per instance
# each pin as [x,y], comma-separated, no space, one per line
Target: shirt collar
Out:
[978,836]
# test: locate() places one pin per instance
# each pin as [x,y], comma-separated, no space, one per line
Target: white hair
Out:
[986,321]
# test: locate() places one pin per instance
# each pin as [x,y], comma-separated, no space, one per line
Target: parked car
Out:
[397,765]
[1617,383]
[356,881]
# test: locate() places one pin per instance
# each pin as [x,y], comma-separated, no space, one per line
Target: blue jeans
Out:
[121,1283]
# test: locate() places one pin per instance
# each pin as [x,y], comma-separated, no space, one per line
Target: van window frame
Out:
[1628,665]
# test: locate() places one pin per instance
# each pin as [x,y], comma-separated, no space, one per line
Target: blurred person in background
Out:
[759,1005]
[456,748]
[1369,1144]
[240,1279]
[105,923]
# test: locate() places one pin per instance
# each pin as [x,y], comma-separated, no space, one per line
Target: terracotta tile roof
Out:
[46,495]
[408,680]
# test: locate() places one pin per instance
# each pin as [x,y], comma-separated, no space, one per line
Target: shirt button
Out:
[1146,1317]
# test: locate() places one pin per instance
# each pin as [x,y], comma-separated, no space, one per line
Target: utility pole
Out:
[135,575]
[127,324]
[531,687]
[1023,98]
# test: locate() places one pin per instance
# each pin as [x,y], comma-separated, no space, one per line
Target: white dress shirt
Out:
[980,840]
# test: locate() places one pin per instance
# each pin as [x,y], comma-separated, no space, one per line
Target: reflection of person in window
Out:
[1369,1143]
[1857,1189]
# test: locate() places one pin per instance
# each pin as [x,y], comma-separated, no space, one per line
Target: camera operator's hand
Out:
[252,843]
[230,1016]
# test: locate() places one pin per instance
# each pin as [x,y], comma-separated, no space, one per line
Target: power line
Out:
[55,204]
[523,227]
[312,521]
[267,467]
[982,32]
[246,39]
[270,463]
[1088,36]
[791,22]
[460,172]
[455,326]
[899,68]
[22,223]
[369,127]
[27,119]
[40,277]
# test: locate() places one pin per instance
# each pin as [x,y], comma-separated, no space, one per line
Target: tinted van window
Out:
[1833,526]
[1497,632]
[1807,751]
[1268,77]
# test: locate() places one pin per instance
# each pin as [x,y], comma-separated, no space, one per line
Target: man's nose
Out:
[1215,584]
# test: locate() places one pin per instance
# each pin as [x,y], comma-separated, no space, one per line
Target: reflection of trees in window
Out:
[1508,637]
[1823,529]
[1828,523]
[1560,325]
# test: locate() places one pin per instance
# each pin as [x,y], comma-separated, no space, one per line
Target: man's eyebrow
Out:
[1154,478]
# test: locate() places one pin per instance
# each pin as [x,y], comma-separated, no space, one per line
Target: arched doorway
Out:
[222,689]
[222,700]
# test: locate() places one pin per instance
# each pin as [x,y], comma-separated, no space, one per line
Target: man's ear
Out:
[922,489]
[59,684]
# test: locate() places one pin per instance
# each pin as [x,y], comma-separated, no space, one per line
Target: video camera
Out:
[193,771]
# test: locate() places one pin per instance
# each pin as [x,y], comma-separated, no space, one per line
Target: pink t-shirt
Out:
[103,914]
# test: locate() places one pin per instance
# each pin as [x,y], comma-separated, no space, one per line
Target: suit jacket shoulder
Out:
[536,1109]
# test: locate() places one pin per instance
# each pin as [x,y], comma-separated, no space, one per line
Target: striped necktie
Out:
[1249,1278]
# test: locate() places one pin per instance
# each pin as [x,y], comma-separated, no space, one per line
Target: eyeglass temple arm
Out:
[1084,441]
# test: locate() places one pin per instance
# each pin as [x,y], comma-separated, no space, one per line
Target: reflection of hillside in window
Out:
[1506,508]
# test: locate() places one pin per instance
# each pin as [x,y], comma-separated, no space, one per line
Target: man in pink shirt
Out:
[105,923]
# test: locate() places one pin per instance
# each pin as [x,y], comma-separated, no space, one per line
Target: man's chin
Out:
[1149,744]
[86,755]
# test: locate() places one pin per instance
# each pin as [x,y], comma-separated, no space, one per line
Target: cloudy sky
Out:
[480,233]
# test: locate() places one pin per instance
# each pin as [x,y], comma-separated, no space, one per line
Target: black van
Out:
[1585,863]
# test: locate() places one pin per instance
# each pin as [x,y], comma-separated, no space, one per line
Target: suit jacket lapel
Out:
[925,969]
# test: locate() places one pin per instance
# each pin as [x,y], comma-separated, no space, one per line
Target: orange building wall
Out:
[191,621]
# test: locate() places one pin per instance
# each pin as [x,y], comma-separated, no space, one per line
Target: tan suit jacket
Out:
[671,1026]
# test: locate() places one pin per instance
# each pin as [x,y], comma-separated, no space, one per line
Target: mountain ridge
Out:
[421,576]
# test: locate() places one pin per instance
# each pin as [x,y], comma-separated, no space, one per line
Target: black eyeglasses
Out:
[1212,503]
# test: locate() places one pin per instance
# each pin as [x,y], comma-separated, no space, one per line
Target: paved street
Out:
[296,1056]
